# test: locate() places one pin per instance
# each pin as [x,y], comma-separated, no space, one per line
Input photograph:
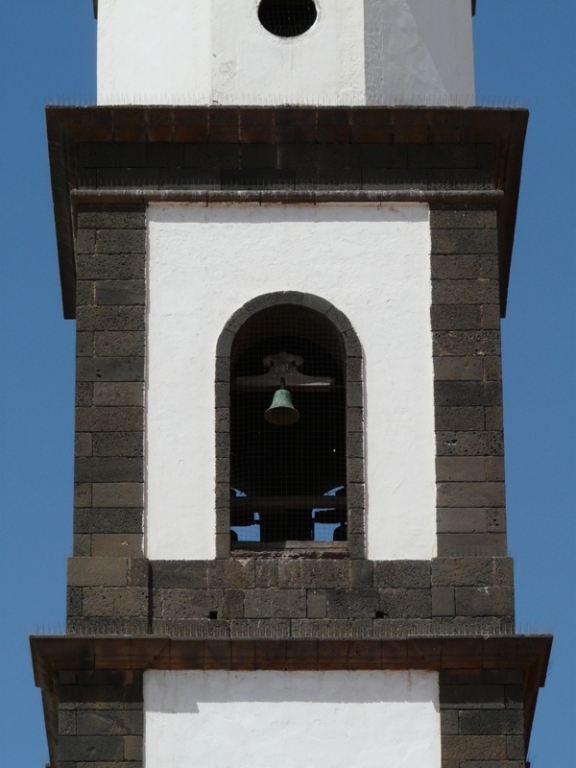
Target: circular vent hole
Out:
[287,18]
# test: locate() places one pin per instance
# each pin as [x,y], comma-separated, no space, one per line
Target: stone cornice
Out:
[503,130]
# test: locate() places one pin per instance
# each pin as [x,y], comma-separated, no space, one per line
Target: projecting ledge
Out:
[53,653]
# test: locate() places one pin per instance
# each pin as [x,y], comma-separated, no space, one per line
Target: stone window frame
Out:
[355,459]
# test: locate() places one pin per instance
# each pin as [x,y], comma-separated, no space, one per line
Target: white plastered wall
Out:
[364,719]
[217,52]
[373,263]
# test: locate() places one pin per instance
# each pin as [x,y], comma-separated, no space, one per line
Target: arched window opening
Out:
[288,431]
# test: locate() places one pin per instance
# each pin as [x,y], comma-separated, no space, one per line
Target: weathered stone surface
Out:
[109,722]
[97,571]
[313,574]
[352,604]
[406,603]
[473,494]
[102,520]
[118,393]
[90,748]
[118,444]
[472,572]
[507,721]
[118,602]
[471,747]
[117,545]
[275,603]
[117,494]
[484,601]
[407,574]
[473,443]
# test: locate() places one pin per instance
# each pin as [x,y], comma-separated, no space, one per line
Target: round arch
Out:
[310,319]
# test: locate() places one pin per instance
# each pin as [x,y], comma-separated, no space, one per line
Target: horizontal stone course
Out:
[109,419]
[472,696]
[119,343]
[123,368]
[469,468]
[465,291]
[117,443]
[410,574]
[83,444]
[313,574]
[473,443]
[466,343]
[198,603]
[460,219]
[117,494]
[443,601]
[117,545]
[111,217]
[491,722]
[484,601]
[275,603]
[119,520]
[120,292]
[472,572]
[93,155]
[465,418]
[115,602]
[121,241]
[105,266]
[91,571]
[109,722]
[98,470]
[352,604]
[406,603]
[91,748]
[469,494]
[474,267]
[464,241]
[118,394]
[457,317]
[471,520]
[110,318]
[491,747]
[84,292]
[222,590]
[462,393]
[489,544]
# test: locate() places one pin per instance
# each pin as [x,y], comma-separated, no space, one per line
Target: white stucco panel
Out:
[222,719]
[217,52]
[154,52]
[373,263]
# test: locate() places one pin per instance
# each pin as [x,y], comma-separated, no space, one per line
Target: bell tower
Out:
[285,236]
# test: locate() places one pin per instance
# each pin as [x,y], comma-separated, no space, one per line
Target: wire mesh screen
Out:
[288,430]
[287,18]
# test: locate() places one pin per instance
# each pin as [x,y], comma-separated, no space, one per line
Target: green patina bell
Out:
[282,411]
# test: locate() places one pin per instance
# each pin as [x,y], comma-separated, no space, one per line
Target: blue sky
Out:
[524,56]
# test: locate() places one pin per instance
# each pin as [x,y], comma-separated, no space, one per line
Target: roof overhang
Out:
[504,129]
[529,653]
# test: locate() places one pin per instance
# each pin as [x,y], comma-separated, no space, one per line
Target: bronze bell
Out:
[281,411]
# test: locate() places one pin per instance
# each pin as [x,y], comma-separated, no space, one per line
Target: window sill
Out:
[290,549]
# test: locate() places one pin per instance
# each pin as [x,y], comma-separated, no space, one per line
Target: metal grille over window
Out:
[287,18]
[288,432]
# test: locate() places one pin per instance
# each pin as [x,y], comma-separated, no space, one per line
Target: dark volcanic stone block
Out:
[407,574]
[275,603]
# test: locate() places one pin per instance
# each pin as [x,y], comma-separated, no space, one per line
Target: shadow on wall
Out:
[182,692]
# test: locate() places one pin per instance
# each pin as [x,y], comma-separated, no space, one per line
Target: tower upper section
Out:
[270,52]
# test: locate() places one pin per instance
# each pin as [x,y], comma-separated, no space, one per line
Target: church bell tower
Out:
[285,235]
